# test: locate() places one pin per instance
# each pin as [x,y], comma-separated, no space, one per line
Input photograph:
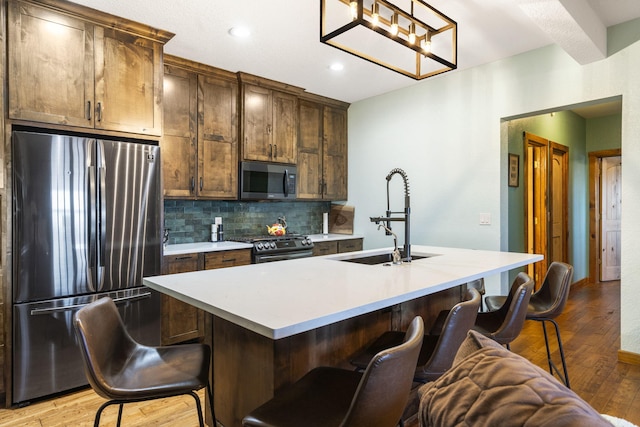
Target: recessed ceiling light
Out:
[240,32]
[336,66]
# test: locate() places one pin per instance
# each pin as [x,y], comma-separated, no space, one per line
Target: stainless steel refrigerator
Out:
[86,223]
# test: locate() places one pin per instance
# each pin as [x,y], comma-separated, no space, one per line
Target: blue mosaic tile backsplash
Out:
[189,221]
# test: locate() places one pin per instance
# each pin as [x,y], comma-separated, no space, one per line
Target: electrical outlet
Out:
[485,219]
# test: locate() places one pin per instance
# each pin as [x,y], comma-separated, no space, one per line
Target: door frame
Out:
[595,209]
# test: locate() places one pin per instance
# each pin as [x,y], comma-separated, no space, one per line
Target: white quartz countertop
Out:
[332,237]
[280,299]
[186,248]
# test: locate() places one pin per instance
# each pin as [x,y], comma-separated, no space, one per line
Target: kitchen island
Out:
[275,321]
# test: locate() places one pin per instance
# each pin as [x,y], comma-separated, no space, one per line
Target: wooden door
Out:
[310,150]
[546,202]
[128,82]
[559,206]
[611,208]
[181,321]
[257,127]
[51,69]
[285,128]
[535,167]
[178,143]
[335,153]
[217,138]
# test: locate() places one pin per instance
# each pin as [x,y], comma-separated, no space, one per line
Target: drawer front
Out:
[325,248]
[349,245]
[222,259]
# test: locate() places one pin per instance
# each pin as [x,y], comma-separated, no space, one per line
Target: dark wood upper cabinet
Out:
[322,150]
[75,66]
[269,120]
[200,143]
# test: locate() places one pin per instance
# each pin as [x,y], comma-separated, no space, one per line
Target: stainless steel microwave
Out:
[267,181]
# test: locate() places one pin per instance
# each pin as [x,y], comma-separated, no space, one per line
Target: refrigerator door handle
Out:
[102,212]
[120,300]
[91,234]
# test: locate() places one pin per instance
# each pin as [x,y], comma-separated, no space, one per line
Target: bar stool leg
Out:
[552,366]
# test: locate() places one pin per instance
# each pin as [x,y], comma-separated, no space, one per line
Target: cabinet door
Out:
[224,259]
[285,128]
[181,321]
[50,66]
[310,150]
[325,248]
[178,143]
[335,153]
[349,245]
[128,82]
[217,138]
[257,126]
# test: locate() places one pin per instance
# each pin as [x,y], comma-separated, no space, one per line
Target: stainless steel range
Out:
[278,248]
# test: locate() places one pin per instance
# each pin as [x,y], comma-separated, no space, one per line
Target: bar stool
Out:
[504,324]
[545,305]
[439,347]
[340,397]
[121,370]
[479,285]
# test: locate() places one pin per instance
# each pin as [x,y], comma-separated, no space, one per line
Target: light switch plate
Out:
[485,219]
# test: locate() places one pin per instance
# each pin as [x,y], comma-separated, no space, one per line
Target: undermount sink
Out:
[380,258]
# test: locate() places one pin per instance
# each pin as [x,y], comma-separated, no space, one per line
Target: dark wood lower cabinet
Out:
[337,246]
[181,321]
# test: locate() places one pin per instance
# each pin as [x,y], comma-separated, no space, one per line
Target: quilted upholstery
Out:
[492,386]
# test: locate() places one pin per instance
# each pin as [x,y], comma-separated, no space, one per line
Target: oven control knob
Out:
[273,245]
[259,246]
[304,242]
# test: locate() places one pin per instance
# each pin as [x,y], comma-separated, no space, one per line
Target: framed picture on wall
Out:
[514,170]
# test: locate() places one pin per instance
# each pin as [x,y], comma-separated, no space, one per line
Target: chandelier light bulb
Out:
[412,33]
[394,25]
[354,9]
[426,45]
[375,14]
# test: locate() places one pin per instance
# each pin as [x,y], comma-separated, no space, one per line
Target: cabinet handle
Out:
[270,150]
[88,113]
[268,129]
[99,111]
[182,258]
[229,260]
[201,183]
[275,151]
[193,184]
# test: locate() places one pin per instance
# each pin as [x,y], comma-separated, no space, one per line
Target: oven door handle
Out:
[285,256]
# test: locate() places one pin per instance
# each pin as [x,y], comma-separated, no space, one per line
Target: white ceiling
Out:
[284,43]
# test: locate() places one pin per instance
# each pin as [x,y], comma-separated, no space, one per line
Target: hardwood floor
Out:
[590,328]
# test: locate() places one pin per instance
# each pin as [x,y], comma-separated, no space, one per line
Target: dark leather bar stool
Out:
[504,324]
[545,305]
[479,285]
[439,347]
[326,396]
[121,370]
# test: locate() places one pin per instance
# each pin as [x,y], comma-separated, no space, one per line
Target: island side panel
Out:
[243,374]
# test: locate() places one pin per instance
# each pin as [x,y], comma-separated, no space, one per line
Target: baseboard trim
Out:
[628,357]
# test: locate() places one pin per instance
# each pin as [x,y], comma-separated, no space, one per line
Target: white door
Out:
[610,223]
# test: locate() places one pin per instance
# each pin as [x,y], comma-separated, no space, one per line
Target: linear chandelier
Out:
[406,36]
